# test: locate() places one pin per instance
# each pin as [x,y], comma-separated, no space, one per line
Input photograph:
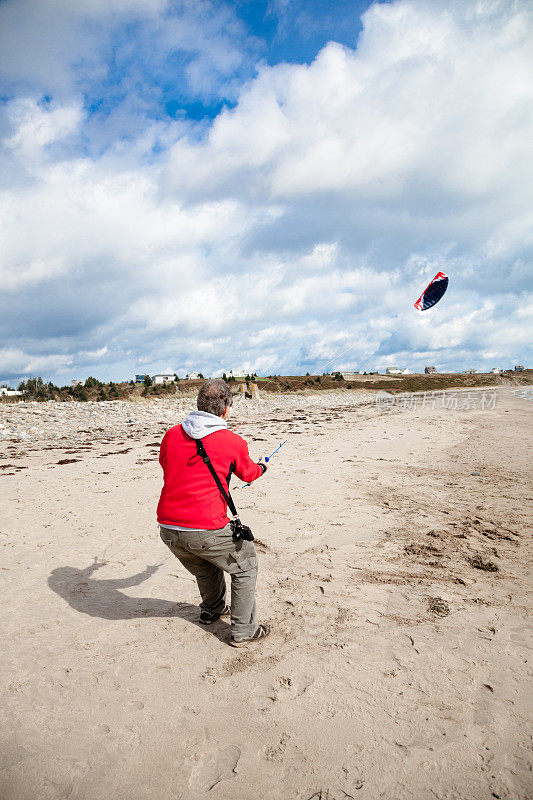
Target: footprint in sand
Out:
[281,690]
[214,767]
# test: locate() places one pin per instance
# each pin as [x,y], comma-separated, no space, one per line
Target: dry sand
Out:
[396,669]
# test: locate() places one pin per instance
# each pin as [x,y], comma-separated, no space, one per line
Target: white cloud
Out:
[37,127]
[306,220]
[17,362]
[16,276]
[62,48]
[94,355]
[435,101]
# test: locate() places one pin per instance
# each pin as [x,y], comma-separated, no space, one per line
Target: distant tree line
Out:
[91,389]
[97,390]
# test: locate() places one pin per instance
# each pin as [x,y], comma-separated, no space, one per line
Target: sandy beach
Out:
[394,569]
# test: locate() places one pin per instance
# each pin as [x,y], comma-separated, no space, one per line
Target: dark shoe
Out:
[261,633]
[206,617]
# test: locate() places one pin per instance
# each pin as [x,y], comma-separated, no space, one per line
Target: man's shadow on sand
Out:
[103,598]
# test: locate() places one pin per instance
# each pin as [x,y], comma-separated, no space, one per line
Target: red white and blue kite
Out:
[433,292]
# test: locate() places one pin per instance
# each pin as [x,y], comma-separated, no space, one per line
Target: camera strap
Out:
[225,494]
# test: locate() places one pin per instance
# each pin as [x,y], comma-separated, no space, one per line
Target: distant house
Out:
[519,368]
[192,376]
[141,378]
[397,371]
[495,371]
[163,377]
[471,371]
[76,382]
[430,370]
[5,392]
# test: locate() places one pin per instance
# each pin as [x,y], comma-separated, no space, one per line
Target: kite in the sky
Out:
[433,292]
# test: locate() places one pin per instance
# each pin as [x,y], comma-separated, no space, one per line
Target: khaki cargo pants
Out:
[207,555]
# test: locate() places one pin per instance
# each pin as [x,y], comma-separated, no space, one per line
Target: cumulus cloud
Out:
[302,222]
[14,360]
[106,49]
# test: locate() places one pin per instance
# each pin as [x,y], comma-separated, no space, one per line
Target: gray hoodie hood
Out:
[200,423]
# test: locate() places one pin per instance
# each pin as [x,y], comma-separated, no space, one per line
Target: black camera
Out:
[240,531]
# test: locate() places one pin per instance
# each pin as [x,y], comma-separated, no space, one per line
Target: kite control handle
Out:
[267,459]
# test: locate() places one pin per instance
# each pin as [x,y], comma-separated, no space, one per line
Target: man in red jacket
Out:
[192,512]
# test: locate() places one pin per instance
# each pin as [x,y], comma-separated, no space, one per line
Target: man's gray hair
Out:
[214,396]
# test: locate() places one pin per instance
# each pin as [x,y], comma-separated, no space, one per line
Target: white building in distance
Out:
[5,392]
[192,376]
[163,377]
[397,371]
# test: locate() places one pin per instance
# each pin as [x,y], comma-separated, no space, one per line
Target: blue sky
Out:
[263,184]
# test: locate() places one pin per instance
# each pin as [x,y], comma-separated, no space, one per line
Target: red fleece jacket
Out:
[190,496]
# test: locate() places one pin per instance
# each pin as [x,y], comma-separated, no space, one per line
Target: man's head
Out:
[215,397]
